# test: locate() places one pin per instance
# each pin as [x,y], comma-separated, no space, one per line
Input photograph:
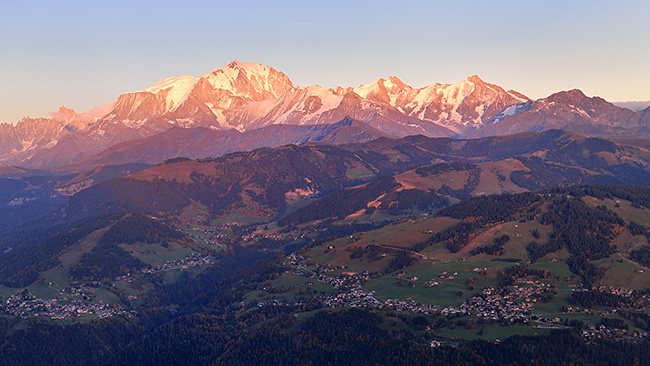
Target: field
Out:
[195,211]
[359,172]
[623,209]
[622,272]
[495,177]
[6,292]
[156,254]
[452,179]
[410,283]
[406,233]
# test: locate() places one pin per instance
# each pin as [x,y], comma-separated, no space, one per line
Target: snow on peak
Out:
[455,94]
[177,90]
[251,80]
[249,67]
[383,90]
[171,82]
[393,84]
[365,89]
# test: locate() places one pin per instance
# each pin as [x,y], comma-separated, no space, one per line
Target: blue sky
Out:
[83,54]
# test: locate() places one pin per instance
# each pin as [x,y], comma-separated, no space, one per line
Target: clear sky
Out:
[83,54]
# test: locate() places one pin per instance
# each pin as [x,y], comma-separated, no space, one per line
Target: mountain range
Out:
[242,97]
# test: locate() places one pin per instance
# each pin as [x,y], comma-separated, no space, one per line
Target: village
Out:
[78,298]
[488,304]
[509,305]
[23,305]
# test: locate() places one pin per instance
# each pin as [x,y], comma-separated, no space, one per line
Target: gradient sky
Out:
[83,54]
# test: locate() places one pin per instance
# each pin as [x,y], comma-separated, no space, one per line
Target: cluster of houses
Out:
[212,236]
[76,299]
[346,280]
[409,305]
[350,285]
[23,304]
[595,332]
[492,304]
[192,260]
[530,292]
[220,235]
[618,291]
[354,297]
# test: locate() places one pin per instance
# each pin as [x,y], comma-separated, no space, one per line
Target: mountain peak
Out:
[64,114]
[250,80]
[394,82]
[573,96]
[475,79]
[382,90]
[249,68]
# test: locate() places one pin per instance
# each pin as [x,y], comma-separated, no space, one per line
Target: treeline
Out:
[108,260]
[589,299]
[586,232]
[137,227]
[473,179]
[454,237]
[640,319]
[479,212]
[402,260]
[341,203]
[638,195]
[496,248]
[404,201]
[26,255]
[493,208]
[641,256]
[437,169]
[105,260]
[542,174]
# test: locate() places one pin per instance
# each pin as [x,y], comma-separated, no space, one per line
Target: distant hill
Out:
[26,194]
[265,183]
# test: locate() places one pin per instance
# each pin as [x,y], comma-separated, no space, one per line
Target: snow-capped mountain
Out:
[249,95]
[465,104]
[316,105]
[216,99]
[245,96]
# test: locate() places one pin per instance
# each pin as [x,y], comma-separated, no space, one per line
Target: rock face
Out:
[248,96]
